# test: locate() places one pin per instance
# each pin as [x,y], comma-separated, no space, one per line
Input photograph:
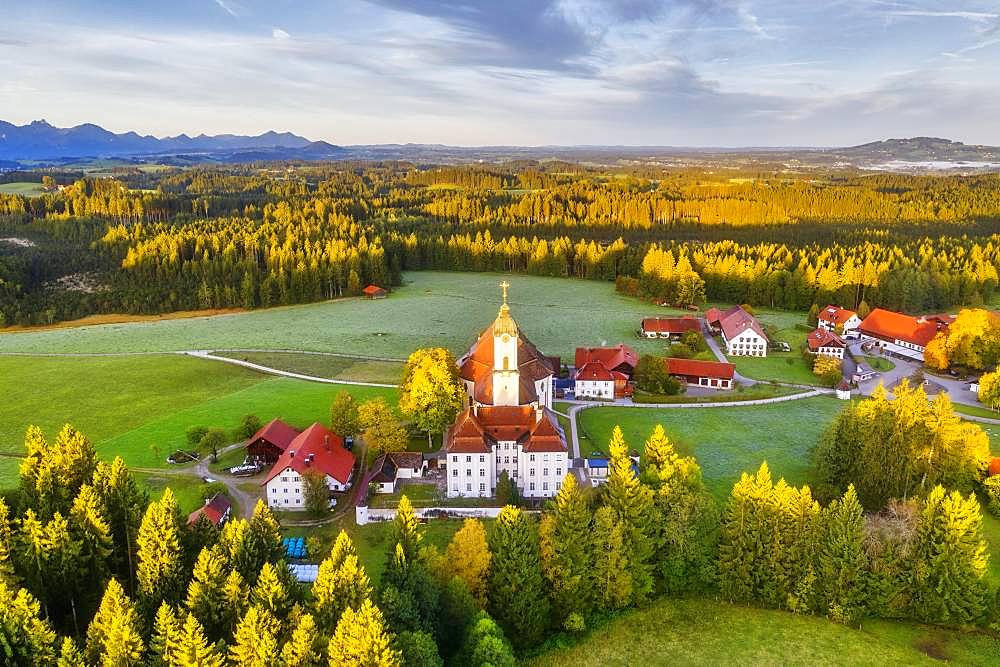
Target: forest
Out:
[93,572]
[254,236]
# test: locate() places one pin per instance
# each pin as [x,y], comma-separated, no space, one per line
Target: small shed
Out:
[374,292]
[844,390]
[216,510]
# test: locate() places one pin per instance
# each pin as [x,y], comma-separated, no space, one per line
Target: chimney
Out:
[326,442]
[291,454]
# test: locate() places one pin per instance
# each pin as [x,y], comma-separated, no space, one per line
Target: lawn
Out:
[432,308]
[976,411]
[880,364]
[353,369]
[726,441]
[140,407]
[706,632]
[186,488]
[741,393]
[28,189]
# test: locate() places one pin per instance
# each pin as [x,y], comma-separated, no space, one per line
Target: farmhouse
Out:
[901,334]
[315,449]
[825,342]
[839,320]
[216,509]
[374,292]
[714,374]
[270,441]
[669,327]
[509,425]
[604,372]
[391,467]
[597,469]
[741,332]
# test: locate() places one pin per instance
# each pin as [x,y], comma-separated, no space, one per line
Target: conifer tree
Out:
[193,647]
[269,592]
[114,637]
[161,571]
[611,579]
[742,538]
[304,647]
[632,503]
[405,531]
[125,505]
[516,590]
[237,600]
[419,650]
[255,642]
[70,654]
[950,559]
[341,582]
[6,545]
[458,608]
[468,553]
[206,597]
[485,644]
[841,559]
[264,539]
[165,640]
[361,639]
[25,638]
[567,559]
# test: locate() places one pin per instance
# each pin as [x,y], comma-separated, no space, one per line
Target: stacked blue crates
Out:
[295,547]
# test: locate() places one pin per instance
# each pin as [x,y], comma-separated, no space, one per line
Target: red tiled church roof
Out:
[477,367]
[476,431]
[316,448]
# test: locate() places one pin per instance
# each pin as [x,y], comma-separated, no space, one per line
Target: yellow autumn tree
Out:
[469,556]
[431,393]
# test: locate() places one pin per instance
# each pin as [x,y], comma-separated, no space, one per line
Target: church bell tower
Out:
[506,379]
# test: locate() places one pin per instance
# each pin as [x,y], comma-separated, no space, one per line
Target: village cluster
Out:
[508,427]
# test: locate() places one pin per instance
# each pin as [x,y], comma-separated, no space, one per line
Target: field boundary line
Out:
[207,354]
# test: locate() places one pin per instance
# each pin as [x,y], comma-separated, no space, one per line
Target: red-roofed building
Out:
[374,292]
[316,448]
[270,441]
[839,320]
[901,334]
[741,332]
[526,443]
[713,374]
[604,372]
[994,466]
[216,510]
[826,343]
[669,327]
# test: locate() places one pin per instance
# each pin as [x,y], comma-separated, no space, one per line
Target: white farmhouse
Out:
[741,332]
[826,343]
[839,320]
[315,449]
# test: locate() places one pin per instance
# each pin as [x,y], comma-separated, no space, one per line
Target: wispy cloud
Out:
[228,7]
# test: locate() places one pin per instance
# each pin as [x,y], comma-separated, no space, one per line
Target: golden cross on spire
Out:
[504,285]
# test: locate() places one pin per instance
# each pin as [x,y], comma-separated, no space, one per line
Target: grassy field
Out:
[28,189]
[705,632]
[140,407]
[880,364]
[328,366]
[976,411]
[432,308]
[741,393]
[726,441]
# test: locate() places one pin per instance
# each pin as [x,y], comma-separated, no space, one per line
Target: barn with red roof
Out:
[374,292]
[268,443]
[315,449]
[669,327]
[900,334]
[604,372]
[712,374]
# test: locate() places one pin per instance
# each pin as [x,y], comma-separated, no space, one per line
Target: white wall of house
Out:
[835,352]
[901,347]
[540,474]
[713,383]
[471,475]
[852,323]
[747,344]
[408,473]
[595,388]
[386,487]
[286,491]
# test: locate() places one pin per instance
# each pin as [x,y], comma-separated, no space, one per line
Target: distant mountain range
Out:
[41,143]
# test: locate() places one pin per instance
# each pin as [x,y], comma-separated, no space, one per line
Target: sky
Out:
[511,72]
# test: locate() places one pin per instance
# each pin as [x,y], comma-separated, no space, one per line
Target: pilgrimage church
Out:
[509,424]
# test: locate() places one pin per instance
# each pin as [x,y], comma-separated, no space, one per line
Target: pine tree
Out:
[610,575]
[361,639]
[193,647]
[206,597]
[841,562]
[485,644]
[950,559]
[164,642]
[70,654]
[632,503]
[341,582]
[405,531]
[269,592]
[6,545]
[469,556]
[255,642]
[742,544]
[237,600]
[25,638]
[304,648]
[516,587]
[264,539]
[125,505]
[161,567]
[567,560]
[419,650]
[114,637]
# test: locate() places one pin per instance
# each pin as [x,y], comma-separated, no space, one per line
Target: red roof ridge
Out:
[699,367]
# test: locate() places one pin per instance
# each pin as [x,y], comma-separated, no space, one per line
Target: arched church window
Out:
[506,363]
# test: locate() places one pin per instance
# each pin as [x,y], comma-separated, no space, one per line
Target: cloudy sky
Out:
[475,72]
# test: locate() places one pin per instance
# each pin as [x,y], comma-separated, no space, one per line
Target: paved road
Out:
[713,345]
[207,354]
[958,390]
